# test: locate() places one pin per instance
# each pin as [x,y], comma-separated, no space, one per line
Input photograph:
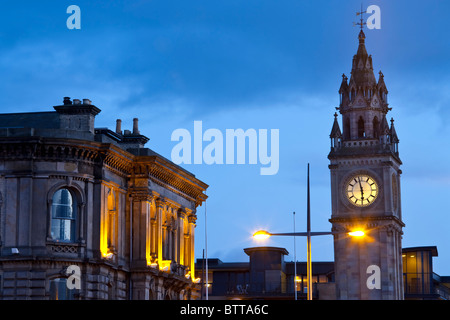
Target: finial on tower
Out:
[361,23]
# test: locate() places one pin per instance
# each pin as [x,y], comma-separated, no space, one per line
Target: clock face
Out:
[362,190]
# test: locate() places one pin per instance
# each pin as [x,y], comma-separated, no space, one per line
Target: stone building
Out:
[90,213]
[365,187]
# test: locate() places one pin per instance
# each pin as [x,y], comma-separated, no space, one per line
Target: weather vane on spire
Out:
[373,21]
[361,23]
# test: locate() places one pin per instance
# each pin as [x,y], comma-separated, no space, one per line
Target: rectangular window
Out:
[59,290]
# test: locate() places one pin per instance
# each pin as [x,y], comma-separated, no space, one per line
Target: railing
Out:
[443,292]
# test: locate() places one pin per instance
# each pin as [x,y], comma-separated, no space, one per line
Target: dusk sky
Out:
[247,64]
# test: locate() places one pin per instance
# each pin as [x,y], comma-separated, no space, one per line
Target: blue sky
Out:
[247,64]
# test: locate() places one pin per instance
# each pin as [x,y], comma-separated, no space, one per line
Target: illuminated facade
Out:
[365,188]
[76,196]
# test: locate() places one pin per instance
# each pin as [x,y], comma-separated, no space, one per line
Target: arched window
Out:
[64,214]
[347,128]
[361,131]
[376,127]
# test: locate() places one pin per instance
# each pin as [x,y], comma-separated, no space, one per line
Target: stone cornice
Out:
[359,154]
[164,172]
[123,163]
[366,220]
[88,109]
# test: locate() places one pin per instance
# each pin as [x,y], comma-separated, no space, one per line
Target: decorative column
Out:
[181,236]
[192,218]
[141,223]
[153,231]
[160,204]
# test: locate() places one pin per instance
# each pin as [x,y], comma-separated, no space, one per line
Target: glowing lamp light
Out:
[165,265]
[261,235]
[108,255]
[356,233]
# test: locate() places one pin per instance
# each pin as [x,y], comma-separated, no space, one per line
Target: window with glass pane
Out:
[63,216]
[59,290]
[416,270]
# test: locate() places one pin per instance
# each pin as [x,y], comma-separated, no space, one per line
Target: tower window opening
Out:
[361,131]
[376,127]
[347,128]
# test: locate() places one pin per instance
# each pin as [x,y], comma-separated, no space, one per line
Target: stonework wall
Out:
[130,208]
[369,267]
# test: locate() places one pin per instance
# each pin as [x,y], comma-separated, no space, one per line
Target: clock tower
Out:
[365,187]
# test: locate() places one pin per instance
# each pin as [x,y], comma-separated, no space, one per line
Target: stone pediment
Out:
[359,101]
[376,102]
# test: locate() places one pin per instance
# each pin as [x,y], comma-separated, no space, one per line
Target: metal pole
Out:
[203,274]
[206,254]
[308,249]
[295,264]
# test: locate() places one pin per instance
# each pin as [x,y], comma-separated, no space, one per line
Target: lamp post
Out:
[308,241]
[262,234]
[295,263]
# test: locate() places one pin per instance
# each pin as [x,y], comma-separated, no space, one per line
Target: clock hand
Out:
[362,190]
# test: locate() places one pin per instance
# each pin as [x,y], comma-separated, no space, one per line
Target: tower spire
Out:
[362,102]
[361,25]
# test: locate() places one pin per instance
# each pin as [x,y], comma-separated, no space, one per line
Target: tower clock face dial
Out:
[362,190]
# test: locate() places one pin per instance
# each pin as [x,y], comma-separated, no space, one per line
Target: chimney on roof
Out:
[135,126]
[119,126]
[77,115]
[67,101]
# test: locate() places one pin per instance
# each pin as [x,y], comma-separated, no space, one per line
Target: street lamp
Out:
[263,234]
[356,233]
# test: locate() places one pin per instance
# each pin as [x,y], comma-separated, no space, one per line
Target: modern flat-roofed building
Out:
[267,276]
[420,282]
